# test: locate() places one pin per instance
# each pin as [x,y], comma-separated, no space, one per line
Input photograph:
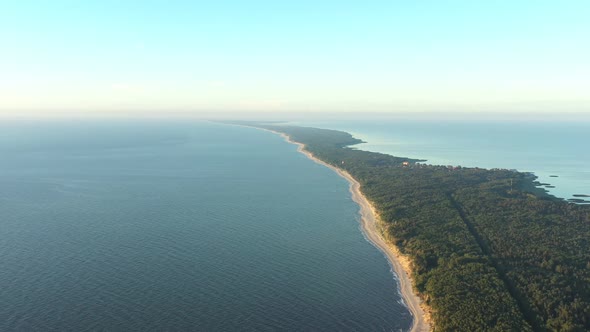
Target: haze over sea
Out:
[145,225]
[546,148]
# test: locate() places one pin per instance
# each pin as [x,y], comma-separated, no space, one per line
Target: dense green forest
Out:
[488,253]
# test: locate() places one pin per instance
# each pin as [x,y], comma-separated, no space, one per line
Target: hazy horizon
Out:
[305,117]
[139,57]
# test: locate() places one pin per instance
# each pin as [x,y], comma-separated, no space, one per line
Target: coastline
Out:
[371,227]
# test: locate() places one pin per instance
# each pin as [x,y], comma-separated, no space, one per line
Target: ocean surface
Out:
[192,226]
[556,151]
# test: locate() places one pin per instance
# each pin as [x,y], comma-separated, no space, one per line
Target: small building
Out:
[406,163]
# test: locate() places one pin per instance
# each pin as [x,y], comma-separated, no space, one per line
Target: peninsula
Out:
[481,249]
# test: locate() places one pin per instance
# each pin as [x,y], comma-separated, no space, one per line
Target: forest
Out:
[489,252]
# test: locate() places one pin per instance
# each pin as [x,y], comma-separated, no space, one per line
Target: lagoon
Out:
[555,151]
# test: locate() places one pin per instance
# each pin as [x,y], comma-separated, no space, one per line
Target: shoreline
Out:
[371,225]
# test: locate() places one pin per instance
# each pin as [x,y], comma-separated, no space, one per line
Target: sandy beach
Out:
[370,224]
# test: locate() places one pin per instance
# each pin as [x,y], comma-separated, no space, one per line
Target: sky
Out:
[109,56]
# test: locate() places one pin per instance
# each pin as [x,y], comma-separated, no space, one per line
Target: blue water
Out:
[543,147]
[152,226]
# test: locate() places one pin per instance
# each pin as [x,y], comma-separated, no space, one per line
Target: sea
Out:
[555,150]
[129,225]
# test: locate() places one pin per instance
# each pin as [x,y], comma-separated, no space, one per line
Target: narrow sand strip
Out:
[370,225]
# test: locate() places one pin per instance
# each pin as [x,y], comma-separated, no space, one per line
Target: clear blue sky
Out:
[304,55]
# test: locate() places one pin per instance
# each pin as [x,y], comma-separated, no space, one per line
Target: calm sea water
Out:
[547,148]
[139,226]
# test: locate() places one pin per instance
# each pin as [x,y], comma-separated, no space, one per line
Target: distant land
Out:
[487,249]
